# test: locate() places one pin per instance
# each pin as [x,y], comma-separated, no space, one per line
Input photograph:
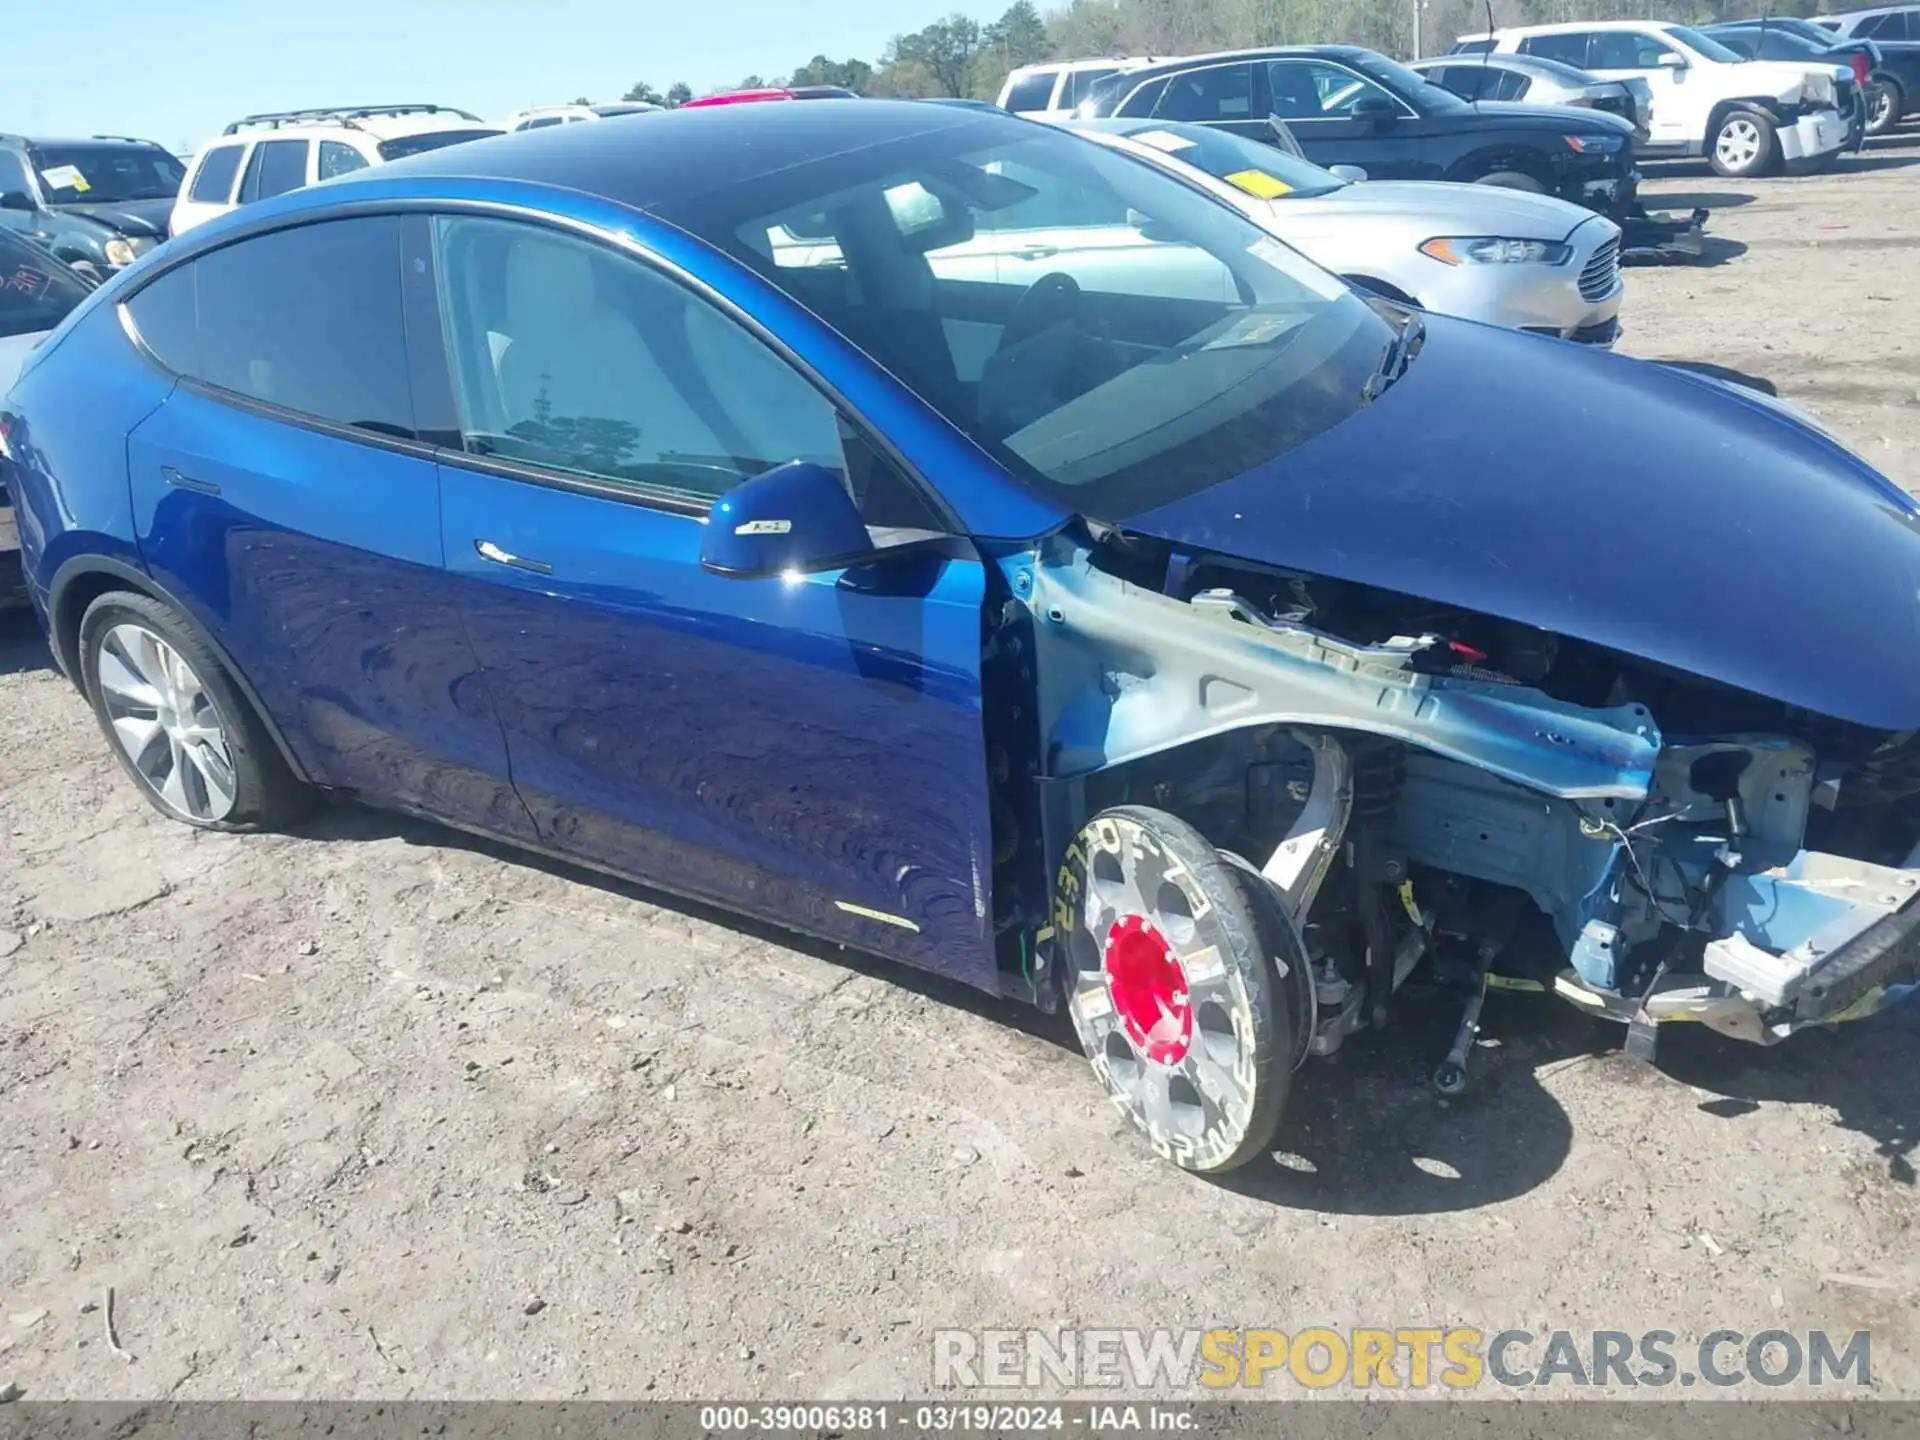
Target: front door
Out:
[1316,99]
[808,748]
[279,492]
[1680,104]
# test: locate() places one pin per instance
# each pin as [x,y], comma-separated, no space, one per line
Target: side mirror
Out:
[1374,110]
[794,519]
[1670,61]
[16,200]
[1347,172]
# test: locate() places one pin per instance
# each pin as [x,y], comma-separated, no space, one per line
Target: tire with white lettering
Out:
[1178,966]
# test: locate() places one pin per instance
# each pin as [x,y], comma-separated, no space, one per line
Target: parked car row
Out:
[986,545]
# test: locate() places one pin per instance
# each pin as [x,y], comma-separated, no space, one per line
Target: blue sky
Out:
[177,70]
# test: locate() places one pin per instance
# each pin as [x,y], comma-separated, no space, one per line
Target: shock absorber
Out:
[1377,775]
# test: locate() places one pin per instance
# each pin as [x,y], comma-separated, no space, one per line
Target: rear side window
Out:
[1079,85]
[338,159]
[1032,92]
[275,167]
[308,319]
[1220,92]
[213,184]
[1567,49]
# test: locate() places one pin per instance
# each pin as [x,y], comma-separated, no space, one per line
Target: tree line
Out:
[961,56]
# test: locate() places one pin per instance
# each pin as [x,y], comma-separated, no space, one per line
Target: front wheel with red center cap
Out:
[1180,969]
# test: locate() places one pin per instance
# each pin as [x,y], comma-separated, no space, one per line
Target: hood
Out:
[1439,208]
[1624,503]
[128,217]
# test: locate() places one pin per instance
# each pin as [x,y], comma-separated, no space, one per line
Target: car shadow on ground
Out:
[1366,1133]
[1697,199]
[1722,372]
[1717,250]
[1862,1072]
[22,647]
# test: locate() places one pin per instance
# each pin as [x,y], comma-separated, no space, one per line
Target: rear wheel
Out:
[177,723]
[1512,180]
[1885,101]
[1181,971]
[1744,145]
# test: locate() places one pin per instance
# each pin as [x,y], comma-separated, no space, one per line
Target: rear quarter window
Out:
[213,182]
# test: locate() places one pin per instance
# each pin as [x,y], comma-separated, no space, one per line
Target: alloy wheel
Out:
[165,723]
[1739,144]
[1164,990]
[1880,109]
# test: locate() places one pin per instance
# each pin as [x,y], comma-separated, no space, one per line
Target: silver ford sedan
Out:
[1481,252]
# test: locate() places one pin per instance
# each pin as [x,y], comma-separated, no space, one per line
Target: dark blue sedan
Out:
[943,536]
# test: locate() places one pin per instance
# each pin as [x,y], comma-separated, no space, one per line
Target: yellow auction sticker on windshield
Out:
[1258,182]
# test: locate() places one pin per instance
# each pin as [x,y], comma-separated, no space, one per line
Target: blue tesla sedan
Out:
[946,537]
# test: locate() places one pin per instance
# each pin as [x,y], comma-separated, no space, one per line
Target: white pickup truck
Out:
[1747,117]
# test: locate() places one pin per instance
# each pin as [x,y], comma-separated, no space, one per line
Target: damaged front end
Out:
[1415,785]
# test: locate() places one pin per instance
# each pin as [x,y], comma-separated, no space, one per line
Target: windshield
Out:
[1411,85]
[106,174]
[1117,338]
[1260,170]
[1704,45]
[36,291]
[406,145]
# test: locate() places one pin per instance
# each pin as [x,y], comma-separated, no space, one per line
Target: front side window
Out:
[213,185]
[1315,90]
[1218,93]
[1032,92]
[36,292]
[339,159]
[307,319]
[573,357]
[98,174]
[1149,343]
[274,168]
[1569,48]
[1628,50]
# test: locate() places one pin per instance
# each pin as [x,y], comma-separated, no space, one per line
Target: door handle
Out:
[1036,252]
[187,482]
[490,551]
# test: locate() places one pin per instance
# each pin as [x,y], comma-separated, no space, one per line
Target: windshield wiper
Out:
[1399,354]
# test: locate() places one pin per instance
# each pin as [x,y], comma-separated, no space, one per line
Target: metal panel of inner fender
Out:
[1124,672]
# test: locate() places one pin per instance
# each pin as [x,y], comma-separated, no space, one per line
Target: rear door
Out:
[808,748]
[274,168]
[287,493]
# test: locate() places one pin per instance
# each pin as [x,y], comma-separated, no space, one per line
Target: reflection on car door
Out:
[808,748]
[268,495]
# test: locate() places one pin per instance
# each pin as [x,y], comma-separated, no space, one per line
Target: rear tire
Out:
[178,724]
[1886,100]
[1180,972]
[1744,145]
[1512,180]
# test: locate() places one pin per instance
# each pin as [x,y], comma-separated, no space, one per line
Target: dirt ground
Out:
[375,1111]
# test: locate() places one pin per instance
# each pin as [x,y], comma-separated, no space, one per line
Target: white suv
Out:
[1746,116]
[1050,91]
[267,155]
[540,117]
